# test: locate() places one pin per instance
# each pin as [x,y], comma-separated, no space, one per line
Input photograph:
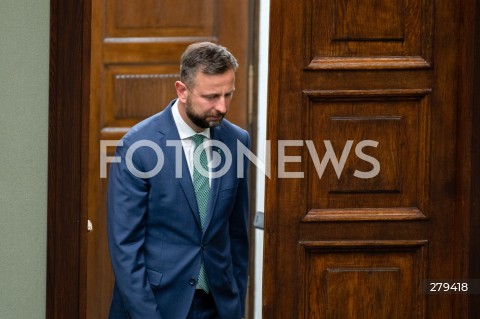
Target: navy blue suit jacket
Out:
[154,233]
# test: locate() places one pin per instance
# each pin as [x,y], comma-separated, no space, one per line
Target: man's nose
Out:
[221,105]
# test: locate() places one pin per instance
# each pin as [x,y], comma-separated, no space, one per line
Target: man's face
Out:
[207,102]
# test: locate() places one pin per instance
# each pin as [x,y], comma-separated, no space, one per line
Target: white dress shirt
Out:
[186,133]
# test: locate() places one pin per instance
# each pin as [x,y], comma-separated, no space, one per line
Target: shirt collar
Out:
[184,130]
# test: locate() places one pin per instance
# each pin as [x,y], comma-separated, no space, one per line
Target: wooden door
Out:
[372,87]
[135,54]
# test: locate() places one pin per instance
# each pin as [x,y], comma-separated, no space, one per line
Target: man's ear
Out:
[182,91]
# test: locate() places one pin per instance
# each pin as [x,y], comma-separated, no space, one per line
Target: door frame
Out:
[468,154]
[69,78]
[68,130]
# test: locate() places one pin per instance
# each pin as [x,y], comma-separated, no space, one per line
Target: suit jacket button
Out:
[192,282]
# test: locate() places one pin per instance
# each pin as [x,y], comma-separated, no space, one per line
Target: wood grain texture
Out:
[396,84]
[68,105]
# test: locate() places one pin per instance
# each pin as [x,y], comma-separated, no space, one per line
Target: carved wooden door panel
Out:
[360,209]
[135,54]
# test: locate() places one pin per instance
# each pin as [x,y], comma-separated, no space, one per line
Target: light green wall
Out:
[24,44]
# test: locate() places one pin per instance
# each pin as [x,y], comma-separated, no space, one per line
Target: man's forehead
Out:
[215,81]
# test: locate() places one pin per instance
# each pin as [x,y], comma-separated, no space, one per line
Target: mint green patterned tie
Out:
[202,190]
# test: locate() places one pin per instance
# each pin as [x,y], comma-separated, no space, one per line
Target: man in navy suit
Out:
[171,258]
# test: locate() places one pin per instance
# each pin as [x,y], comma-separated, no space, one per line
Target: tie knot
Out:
[197,139]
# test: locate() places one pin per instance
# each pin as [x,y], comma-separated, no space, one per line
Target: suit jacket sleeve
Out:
[127,207]
[239,231]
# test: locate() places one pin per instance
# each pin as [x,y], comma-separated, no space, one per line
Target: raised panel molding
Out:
[138,50]
[348,95]
[398,121]
[352,279]
[134,92]
[375,282]
[147,18]
[367,63]
[367,34]
[368,20]
[355,214]
[142,95]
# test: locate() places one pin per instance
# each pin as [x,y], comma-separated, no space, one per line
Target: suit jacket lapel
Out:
[169,132]
[215,134]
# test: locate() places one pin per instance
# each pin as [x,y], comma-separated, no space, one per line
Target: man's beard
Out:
[201,120]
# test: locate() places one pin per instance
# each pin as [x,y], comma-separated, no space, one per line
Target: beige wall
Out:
[24,41]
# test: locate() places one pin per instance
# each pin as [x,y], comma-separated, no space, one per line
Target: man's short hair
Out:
[206,57]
